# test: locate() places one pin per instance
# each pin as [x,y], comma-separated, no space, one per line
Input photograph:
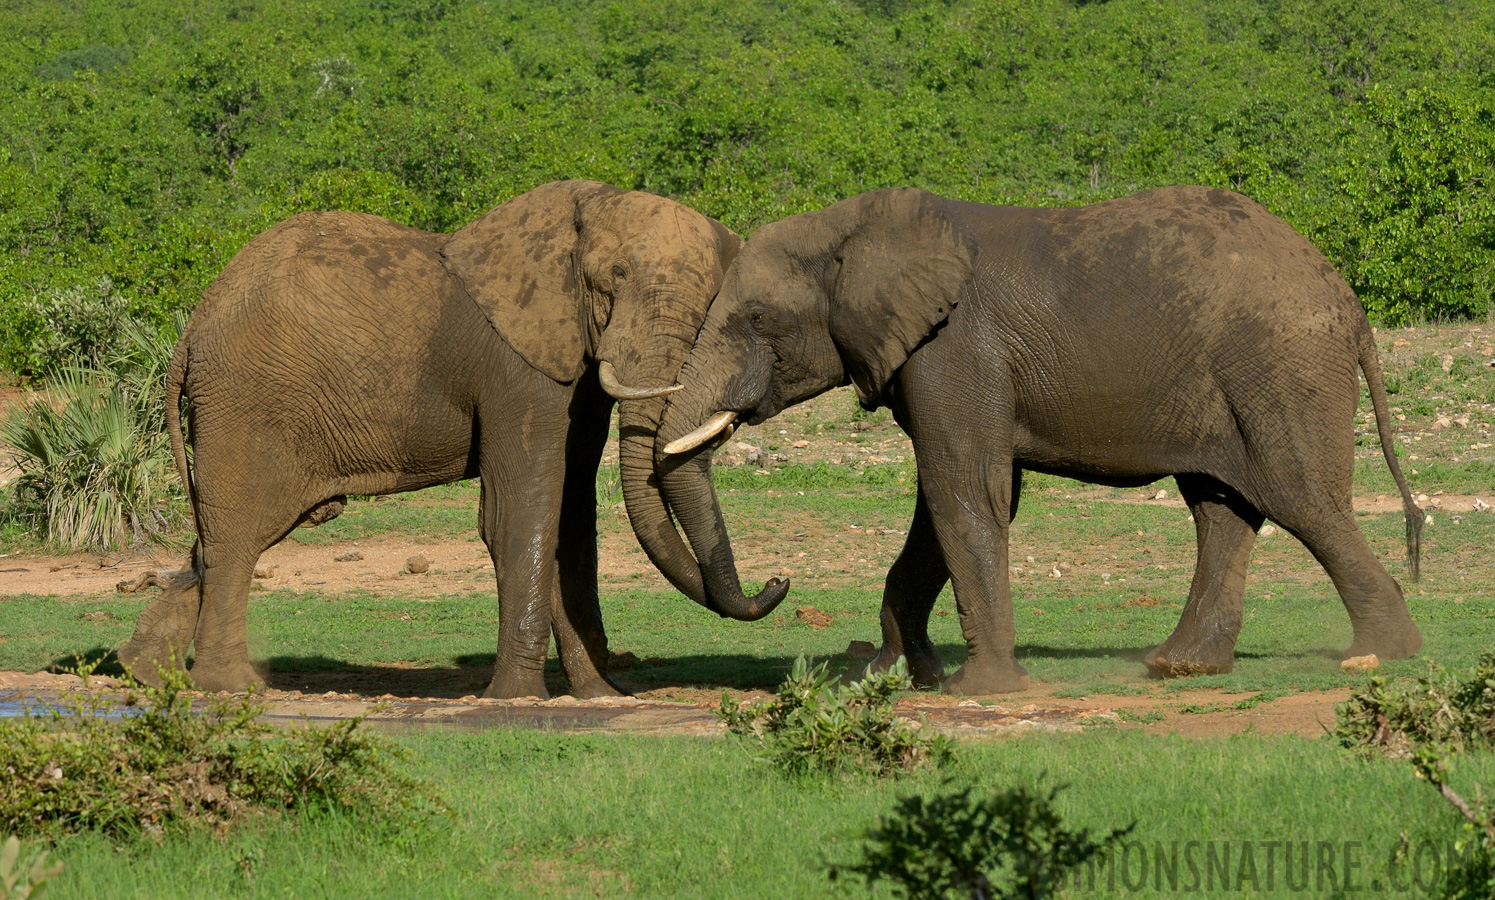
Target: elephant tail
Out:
[176,375]
[1370,364]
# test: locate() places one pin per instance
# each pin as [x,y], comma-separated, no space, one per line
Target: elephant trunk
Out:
[686,479]
[638,421]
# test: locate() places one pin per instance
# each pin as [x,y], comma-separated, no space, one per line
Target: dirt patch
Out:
[1193,714]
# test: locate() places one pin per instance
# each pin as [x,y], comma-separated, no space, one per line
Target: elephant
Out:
[340,353]
[1181,331]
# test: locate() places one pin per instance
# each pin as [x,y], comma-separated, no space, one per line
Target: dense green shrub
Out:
[1442,709]
[816,725]
[96,468]
[1009,843]
[165,764]
[148,143]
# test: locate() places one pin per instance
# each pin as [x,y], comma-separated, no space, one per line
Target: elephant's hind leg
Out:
[165,628]
[914,583]
[1203,642]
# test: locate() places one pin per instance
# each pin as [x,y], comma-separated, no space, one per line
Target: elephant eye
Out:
[620,273]
[756,318]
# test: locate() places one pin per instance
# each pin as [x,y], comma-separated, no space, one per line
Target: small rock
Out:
[813,617]
[264,571]
[1428,520]
[800,445]
[108,562]
[744,447]
[417,564]
[1447,364]
[1160,495]
[1421,499]
[350,556]
[1461,421]
[1361,664]
[1268,530]
[1055,573]
[1443,422]
[861,650]
[759,458]
[1480,505]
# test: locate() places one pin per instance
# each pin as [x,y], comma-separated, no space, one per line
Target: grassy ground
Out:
[541,815]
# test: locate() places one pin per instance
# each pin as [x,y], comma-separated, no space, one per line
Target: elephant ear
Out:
[900,274]
[518,263]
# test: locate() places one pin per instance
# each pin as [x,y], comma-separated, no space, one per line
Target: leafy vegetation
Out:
[1439,709]
[162,765]
[816,725]
[1005,844]
[96,469]
[24,880]
[147,144]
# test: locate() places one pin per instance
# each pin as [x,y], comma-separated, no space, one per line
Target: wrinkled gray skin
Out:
[1182,331]
[341,353]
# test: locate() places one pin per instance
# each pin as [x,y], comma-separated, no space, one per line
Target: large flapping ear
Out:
[901,270]
[518,263]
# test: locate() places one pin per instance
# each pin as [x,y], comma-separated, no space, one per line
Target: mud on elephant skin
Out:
[341,353]
[1181,331]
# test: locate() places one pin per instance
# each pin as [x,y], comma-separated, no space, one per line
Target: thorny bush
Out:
[83,766]
[815,725]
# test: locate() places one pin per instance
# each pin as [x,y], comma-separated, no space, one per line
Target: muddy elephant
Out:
[341,353]
[1181,331]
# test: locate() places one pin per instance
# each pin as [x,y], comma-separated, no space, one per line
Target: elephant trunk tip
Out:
[752,609]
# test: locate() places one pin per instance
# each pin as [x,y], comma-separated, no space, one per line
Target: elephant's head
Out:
[845,293]
[577,272]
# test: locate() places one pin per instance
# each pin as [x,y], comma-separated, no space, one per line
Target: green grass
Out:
[542,815]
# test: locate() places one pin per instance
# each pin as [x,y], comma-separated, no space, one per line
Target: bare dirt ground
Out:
[1196,714]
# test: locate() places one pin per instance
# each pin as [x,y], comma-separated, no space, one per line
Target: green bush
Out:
[79,325]
[165,764]
[814,725]
[1439,709]
[1011,843]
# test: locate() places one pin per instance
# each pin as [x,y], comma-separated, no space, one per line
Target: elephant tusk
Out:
[714,426]
[619,391]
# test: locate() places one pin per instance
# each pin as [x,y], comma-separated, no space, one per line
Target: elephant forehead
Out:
[660,231]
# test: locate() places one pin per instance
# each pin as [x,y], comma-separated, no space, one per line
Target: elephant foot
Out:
[509,685]
[924,664]
[1180,656]
[1396,642]
[1002,676]
[163,632]
[593,688]
[234,676]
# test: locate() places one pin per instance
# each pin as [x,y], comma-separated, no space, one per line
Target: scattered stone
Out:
[621,662]
[744,447]
[417,565]
[1461,421]
[861,650]
[800,445]
[1480,505]
[264,571]
[140,583]
[108,562]
[1055,573]
[1268,530]
[1421,499]
[759,458]
[1447,364]
[350,556]
[1442,422]
[813,617]
[1361,664]
[1160,495]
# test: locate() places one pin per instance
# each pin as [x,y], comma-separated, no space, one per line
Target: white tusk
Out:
[714,426]
[609,378]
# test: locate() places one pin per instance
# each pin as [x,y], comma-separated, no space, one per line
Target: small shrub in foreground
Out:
[164,764]
[1440,708]
[1009,844]
[815,725]
[24,880]
[1439,716]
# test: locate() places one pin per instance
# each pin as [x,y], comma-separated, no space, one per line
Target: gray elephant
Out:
[1182,331]
[341,353]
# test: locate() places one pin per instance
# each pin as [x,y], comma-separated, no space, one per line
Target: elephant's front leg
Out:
[521,506]
[1203,643]
[966,476]
[575,612]
[914,583]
